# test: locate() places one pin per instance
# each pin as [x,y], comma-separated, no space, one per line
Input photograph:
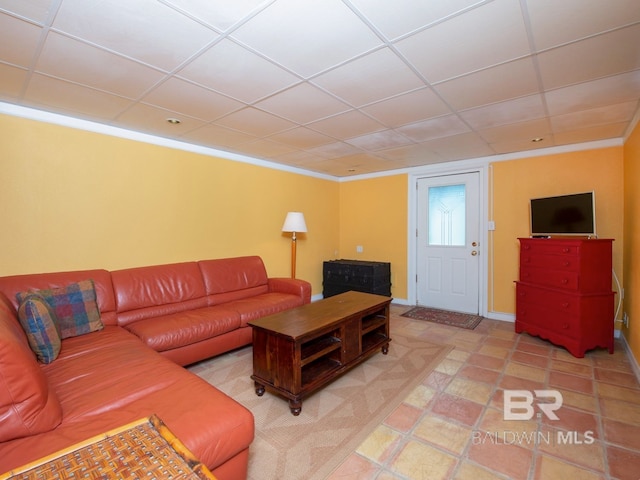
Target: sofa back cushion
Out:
[12,285]
[145,292]
[28,405]
[228,279]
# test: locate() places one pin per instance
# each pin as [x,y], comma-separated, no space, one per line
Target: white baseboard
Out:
[632,359]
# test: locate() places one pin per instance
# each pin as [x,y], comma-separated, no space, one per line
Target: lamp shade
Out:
[294,222]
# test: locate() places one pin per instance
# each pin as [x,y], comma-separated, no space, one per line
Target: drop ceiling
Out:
[337,87]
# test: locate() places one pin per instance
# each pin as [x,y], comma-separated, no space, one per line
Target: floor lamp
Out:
[294,223]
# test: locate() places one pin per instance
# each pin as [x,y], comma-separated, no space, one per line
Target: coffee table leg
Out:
[295,406]
[385,349]
[259,389]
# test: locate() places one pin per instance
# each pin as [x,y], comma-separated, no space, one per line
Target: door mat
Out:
[444,317]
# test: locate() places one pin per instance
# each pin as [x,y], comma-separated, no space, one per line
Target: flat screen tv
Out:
[564,215]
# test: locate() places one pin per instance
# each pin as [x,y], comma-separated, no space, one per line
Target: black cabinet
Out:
[339,276]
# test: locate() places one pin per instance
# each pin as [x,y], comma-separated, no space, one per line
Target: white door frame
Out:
[440,170]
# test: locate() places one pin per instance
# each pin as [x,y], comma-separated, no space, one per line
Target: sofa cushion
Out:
[144,292]
[184,328]
[28,405]
[263,305]
[228,279]
[12,285]
[38,321]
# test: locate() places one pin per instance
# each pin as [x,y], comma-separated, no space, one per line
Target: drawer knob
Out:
[565,325]
[565,250]
[564,281]
[565,305]
[566,264]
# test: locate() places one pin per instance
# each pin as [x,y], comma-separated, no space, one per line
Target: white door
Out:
[448,242]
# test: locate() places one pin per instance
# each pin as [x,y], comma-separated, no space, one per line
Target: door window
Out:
[446,213]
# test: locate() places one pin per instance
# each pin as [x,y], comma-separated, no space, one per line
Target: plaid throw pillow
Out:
[75,307]
[37,321]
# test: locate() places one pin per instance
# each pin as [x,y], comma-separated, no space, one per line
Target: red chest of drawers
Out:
[564,292]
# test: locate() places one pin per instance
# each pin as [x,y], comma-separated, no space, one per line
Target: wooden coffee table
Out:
[299,351]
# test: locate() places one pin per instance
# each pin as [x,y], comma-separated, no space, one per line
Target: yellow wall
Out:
[515,182]
[373,214]
[632,240]
[72,199]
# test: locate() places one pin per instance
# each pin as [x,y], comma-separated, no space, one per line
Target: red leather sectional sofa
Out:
[156,320]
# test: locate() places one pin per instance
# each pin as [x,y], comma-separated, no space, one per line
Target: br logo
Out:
[518,404]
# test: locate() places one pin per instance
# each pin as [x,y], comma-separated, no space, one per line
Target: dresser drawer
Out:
[570,263]
[550,278]
[545,319]
[562,303]
[550,247]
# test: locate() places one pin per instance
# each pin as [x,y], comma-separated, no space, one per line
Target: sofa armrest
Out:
[293,286]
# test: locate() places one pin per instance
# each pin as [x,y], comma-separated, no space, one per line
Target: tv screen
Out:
[564,215]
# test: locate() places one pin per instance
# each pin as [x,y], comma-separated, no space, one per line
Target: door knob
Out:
[474,244]
[474,253]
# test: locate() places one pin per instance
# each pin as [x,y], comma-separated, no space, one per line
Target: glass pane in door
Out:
[447,214]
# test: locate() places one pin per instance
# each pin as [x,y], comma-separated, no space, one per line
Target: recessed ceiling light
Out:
[173,121]
[537,139]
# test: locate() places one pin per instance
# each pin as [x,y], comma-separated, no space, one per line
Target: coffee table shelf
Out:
[300,350]
[321,347]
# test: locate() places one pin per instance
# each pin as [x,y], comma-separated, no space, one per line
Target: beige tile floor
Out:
[452,426]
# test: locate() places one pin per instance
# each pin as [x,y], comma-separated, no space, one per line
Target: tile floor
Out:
[452,426]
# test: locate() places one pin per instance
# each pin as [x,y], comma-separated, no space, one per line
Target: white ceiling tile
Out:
[622,112]
[233,70]
[407,108]
[491,34]
[434,128]
[347,82]
[288,31]
[591,58]
[146,30]
[220,14]
[69,59]
[192,100]
[398,17]
[589,134]
[346,125]
[379,140]
[302,138]
[503,82]
[512,111]
[465,145]
[38,11]
[255,122]
[415,154]
[555,23]
[74,99]
[518,145]
[334,150]
[21,53]
[265,148]
[147,118]
[521,132]
[303,103]
[212,135]
[11,81]
[611,90]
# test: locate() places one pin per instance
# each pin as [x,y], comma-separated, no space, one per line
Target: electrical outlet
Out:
[359,249]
